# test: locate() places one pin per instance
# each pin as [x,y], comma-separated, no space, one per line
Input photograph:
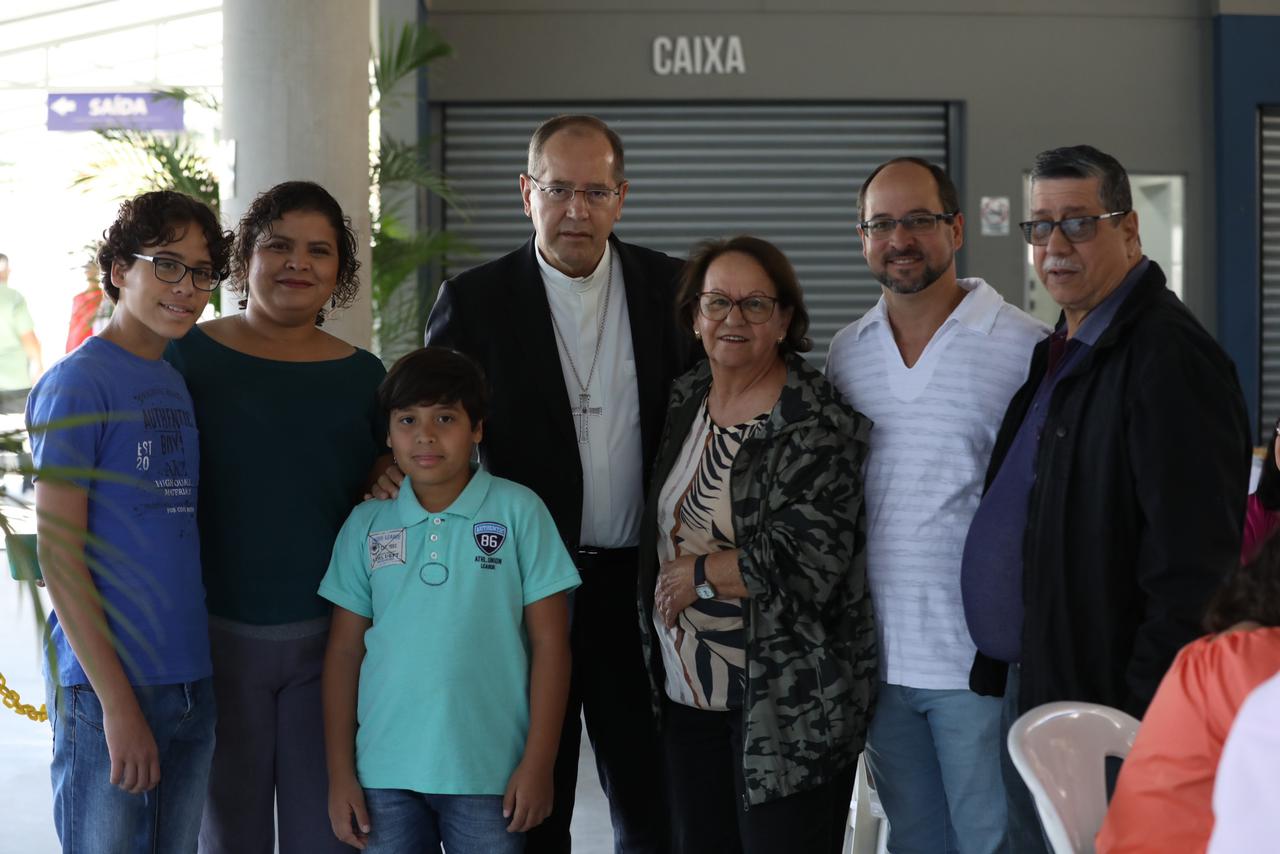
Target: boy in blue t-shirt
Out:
[450,636]
[114,442]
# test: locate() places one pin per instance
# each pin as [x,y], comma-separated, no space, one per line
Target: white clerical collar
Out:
[578,284]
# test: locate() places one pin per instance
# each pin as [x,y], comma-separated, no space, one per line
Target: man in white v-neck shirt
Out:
[933,364]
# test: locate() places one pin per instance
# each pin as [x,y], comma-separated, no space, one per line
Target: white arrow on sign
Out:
[63,105]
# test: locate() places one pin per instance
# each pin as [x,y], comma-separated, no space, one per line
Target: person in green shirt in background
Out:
[20,362]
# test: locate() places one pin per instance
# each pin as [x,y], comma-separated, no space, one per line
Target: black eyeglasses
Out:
[596,197]
[1077,229]
[170,271]
[916,223]
[714,305]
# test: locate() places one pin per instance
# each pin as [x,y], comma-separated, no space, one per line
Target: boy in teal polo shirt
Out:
[450,636]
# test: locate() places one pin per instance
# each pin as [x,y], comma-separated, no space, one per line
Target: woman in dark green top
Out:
[289,435]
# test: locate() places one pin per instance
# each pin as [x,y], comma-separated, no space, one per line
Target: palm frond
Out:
[397,253]
[404,163]
[199,97]
[151,161]
[400,55]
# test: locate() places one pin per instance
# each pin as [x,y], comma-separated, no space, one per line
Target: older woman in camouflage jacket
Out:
[754,607]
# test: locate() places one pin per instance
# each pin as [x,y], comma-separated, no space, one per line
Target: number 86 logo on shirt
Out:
[489,536]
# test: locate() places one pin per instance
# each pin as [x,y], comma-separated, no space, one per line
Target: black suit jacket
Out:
[498,314]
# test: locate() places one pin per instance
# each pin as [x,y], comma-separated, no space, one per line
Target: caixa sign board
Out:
[698,55]
[96,110]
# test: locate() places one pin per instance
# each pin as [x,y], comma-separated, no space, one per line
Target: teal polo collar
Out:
[411,512]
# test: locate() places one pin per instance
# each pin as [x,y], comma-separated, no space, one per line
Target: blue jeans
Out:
[935,759]
[93,815]
[401,820]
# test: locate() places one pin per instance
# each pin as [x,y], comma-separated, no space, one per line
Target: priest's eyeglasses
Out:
[557,194]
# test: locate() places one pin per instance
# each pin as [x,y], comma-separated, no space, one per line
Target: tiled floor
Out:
[26,823]
[26,812]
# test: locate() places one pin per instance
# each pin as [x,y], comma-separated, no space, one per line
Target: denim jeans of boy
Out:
[92,815]
[935,759]
[401,820]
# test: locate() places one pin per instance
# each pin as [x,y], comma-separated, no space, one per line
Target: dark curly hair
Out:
[1250,592]
[272,205]
[776,267]
[154,219]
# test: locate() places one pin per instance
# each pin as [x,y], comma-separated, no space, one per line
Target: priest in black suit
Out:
[576,333]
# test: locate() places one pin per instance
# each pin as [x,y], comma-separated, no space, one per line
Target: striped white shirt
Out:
[935,425]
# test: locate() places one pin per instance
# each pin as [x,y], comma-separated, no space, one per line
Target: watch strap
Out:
[699,570]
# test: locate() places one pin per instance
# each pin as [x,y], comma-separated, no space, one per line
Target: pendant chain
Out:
[604,316]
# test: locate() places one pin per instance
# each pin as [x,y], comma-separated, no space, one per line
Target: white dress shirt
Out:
[1246,791]
[612,492]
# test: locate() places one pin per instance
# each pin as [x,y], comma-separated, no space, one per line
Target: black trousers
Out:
[702,751]
[610,688]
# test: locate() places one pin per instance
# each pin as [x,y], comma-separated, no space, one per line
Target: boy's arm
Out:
[62,514]
[530,791]
[339,687]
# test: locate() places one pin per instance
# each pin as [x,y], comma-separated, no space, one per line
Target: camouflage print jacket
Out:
[799,522]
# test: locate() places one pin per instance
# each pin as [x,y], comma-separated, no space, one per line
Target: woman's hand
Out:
[387,485]
[674,591]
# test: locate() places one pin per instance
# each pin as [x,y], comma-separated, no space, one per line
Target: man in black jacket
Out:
[1116,490]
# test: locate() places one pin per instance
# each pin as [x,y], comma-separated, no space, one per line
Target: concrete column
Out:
[296,106]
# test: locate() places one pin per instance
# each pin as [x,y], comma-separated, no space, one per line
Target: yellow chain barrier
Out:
[11,700]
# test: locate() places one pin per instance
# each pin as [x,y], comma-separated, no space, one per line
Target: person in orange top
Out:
[84,308]
[1163,798]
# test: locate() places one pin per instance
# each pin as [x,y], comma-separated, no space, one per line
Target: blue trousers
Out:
[935,759]
[93,815]
[404,821]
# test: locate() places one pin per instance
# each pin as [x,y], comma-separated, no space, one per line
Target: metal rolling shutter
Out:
[1270,312]
[787,172]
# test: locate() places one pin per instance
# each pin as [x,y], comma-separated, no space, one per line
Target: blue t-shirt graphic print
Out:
[137,454]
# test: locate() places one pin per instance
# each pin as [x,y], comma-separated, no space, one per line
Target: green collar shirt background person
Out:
[19,348]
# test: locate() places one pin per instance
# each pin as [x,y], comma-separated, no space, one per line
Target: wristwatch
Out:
[700,584]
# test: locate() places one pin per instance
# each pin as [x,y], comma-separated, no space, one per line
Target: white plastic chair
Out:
[1060,750]
[867,830]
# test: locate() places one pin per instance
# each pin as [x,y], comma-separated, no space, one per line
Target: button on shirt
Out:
[992,567]
[443,699]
